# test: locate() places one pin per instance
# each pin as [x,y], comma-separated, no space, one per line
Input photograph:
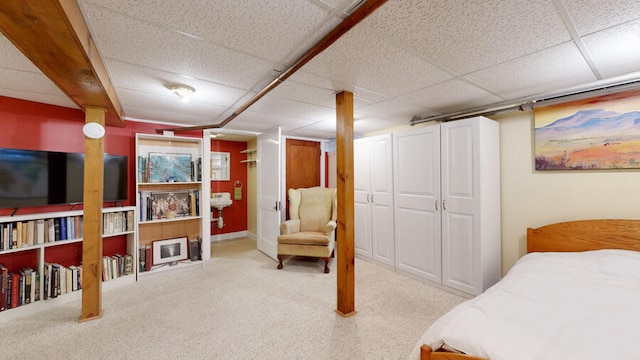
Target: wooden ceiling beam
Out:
[56,38]
[364,10]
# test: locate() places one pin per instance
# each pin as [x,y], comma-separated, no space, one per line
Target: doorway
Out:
[302,165]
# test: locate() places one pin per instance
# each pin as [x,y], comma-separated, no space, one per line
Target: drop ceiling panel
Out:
[19,84]
[391,109]
[589,16]
[168,103]
[12,58]
[265,29]
[556,68]
[450,96]
[292,109]
[140,78]
[128,40]
[616,51]
[466,36]
[367,61]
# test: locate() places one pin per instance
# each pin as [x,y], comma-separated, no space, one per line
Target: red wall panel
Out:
[235,216]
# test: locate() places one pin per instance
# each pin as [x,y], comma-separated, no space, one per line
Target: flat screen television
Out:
[38,178]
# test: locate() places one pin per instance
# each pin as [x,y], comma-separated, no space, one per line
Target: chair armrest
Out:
[290,227]
[331,225]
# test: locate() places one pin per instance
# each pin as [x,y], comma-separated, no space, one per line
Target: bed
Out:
[574,295]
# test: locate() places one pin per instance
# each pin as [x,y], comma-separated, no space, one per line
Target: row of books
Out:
[19,234]
[118,222]
[157,205]
[60,280]
[116,266]
[18,288]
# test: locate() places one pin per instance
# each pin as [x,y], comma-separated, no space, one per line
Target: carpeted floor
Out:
[238,307]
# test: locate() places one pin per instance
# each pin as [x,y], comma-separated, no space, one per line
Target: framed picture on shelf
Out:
[170,168]
[170,205]
[169,251]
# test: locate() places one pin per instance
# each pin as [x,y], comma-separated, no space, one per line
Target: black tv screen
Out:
[37,178]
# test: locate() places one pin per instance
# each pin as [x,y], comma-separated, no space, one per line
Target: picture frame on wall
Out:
[601,133]
[170,168]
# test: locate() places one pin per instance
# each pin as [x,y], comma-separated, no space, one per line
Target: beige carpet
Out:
[238,307]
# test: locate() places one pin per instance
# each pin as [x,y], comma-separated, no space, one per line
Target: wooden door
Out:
[303,165]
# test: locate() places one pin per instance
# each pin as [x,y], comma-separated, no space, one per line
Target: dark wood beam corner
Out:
[55,38]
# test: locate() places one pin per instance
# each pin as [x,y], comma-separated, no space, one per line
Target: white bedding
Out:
[551,306]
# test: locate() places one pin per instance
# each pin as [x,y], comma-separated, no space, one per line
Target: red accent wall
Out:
[36,126]
[235,216]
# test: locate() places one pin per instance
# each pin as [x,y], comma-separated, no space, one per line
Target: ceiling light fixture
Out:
[184,92]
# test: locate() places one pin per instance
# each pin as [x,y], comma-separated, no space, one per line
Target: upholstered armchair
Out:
[311,228]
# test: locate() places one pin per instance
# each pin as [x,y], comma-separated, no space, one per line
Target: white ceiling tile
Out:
[135,77]
[169,103]
[466,36]
[243,25]
[286,108]
[366,61]
[589,16]
[127,40]
[59,100]
[557,68]
[12,58]
[391,109]
[305,93]
[18,81]
[450,96]
[616,51]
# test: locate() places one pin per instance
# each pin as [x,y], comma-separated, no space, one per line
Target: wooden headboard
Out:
[584,235]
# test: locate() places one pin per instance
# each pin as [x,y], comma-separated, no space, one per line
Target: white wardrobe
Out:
[373,199]
[447,203]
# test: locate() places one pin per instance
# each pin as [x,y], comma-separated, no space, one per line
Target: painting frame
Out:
[169,251]
[600,133]
[170,204]
[170,167]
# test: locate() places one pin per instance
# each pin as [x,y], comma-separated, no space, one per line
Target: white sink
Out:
[221,200]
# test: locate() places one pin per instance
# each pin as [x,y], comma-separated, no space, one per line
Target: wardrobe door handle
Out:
[436,202]
[444,205]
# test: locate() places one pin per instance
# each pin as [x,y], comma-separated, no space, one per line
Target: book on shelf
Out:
[142,255]
[194,249]
[40,231]
[128,264]
[15,289]
[149,257]
[4,272]
[63,229]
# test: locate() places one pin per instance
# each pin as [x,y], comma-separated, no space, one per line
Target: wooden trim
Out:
[92,214]
[55,38]
[426,353]
[352,20]
[345,229]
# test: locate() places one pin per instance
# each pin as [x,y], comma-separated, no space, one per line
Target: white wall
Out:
[535,198]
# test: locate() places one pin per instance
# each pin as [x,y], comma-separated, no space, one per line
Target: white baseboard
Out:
[229,236]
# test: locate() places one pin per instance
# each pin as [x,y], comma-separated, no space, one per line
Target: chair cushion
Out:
[305,238]
[316,205]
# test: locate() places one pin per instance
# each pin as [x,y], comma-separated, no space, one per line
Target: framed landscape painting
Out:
[601,133]
[169,167]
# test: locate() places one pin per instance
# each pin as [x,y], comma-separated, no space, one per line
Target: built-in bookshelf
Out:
[41,255]
[171,209]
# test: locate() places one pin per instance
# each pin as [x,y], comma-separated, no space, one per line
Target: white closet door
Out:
[361,195]
[382,224]
[460,199]
[416,163]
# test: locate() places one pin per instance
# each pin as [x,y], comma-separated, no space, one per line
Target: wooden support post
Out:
[92,238]
[345,233]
